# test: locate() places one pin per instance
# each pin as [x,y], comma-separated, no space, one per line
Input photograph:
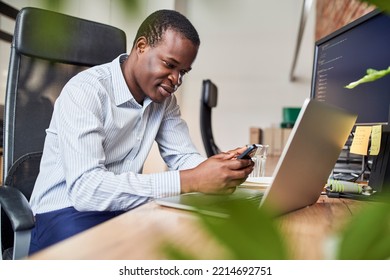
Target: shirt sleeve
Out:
[173,138]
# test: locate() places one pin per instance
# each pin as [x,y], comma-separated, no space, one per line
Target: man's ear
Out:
[141,44]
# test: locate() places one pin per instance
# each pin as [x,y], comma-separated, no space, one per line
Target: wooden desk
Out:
[141,233]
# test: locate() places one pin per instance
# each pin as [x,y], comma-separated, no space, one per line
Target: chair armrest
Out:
[17,208]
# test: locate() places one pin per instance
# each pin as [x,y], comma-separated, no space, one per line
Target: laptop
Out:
[308,158]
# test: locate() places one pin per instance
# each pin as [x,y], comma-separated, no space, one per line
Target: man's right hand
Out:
[219,174]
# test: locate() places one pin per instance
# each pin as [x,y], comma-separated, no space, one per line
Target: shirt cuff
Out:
[167,184]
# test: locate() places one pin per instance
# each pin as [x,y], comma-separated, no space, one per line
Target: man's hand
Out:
[221,173]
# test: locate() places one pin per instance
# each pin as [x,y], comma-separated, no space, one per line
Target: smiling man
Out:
[104,124]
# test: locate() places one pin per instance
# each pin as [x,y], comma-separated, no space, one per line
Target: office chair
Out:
[208,102]
[48,49]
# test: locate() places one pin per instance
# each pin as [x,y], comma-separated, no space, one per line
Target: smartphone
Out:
[248,153]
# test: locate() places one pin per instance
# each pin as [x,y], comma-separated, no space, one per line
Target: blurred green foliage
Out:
[249,233]
[384,5]
[367,236]
[372,74]
[129,6]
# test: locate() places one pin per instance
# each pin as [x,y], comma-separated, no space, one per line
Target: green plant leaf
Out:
[381,4]
[129,6]
[248,234]
[367,236]
[174,253]
[372,75]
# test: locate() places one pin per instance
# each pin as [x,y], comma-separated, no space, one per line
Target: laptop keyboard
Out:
[221,202]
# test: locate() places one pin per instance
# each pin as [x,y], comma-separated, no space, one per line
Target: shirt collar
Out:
[122,93]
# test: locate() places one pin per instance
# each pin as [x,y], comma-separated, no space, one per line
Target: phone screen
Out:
[248,153]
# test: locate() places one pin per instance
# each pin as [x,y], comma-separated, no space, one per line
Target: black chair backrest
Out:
[48,48]
[208,102]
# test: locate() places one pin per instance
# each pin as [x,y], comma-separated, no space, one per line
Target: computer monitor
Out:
[344,57]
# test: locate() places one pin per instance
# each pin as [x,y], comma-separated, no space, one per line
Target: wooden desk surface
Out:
[141,233]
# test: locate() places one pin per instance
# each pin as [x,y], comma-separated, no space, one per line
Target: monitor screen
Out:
[344,56]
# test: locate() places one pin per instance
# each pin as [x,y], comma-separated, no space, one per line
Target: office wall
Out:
[247,50]
[334,15]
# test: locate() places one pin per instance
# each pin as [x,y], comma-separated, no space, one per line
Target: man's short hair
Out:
[154,26]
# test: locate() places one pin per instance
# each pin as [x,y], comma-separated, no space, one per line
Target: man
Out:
[104,124]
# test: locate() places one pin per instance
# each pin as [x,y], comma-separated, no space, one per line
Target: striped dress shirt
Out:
[98,140]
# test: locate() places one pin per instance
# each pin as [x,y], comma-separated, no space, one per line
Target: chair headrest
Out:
[209,93]
[64,38]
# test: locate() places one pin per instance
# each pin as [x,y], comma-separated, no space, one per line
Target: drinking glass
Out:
[260,159]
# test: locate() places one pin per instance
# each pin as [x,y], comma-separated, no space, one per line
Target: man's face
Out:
[160,69]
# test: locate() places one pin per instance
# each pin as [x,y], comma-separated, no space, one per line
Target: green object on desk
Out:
[290,115]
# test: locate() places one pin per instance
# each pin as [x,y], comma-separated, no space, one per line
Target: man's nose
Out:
[176,78]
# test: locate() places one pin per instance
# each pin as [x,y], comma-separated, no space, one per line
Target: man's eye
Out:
[183,72]
[169,65]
